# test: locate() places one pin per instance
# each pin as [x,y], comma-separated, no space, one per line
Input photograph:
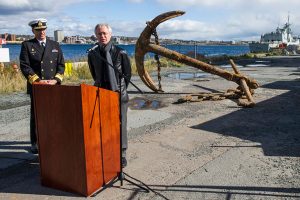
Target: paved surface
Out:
[205,150]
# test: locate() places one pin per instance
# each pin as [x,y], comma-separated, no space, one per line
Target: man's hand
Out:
[47,82]
[39,83]
[52,82]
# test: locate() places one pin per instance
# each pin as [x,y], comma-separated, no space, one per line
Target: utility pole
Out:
[195,50]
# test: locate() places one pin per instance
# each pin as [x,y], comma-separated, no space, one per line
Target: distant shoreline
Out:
[163,44]
[76,52]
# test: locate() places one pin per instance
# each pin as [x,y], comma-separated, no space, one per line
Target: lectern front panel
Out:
[78,130]
[60,137]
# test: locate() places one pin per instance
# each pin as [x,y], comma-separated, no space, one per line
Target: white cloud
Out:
[78,29]
[20,12]
[17,24]
[9,7]
[249,27]
[237,18]
[20,6]
[188,29]
[135,1]
[128,28]
[264,4]
[204,20]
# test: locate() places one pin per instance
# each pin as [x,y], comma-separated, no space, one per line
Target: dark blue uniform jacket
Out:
[41,63]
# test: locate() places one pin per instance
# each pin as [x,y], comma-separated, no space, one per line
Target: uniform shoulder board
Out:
[123,51]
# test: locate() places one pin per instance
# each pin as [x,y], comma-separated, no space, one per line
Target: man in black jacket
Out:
[41,61]
[106,77]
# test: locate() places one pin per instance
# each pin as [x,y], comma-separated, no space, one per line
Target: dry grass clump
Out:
[78,75]
[11,80]
[150,64]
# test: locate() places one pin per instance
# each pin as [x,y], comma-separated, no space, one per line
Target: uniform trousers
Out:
[124,108]
[33,137]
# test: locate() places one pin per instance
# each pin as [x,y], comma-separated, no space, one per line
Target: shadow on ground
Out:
[24,177]
[266,61]
[274,123]
[228,191]
[12,145]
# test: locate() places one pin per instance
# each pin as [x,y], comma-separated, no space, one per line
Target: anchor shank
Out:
[196,63]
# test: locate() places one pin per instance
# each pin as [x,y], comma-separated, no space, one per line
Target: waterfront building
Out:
[58,35]
[69,40]
[80,40]
[8,37]
[116,40]
[75,40]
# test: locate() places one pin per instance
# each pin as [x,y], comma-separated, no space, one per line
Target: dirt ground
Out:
[200,150]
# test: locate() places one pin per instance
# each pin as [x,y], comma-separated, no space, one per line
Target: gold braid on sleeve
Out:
[32,78]
[59,76]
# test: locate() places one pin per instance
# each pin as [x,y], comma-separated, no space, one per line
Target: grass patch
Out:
[150,64]
[78,75]
[11,81]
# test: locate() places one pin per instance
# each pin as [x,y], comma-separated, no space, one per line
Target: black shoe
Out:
[124,162]
[34,149]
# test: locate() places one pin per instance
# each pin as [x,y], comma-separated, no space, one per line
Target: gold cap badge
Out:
[40,24]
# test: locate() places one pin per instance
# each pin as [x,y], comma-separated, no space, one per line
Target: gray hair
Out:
[103,25]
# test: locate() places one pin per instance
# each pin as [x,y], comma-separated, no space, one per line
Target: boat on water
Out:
[282,38]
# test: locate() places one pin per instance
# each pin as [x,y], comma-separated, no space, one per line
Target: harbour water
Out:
[76,52]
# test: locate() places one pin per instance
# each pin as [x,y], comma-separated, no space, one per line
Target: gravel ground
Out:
[204,150]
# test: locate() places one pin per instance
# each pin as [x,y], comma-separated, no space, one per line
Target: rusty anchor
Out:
[143,45]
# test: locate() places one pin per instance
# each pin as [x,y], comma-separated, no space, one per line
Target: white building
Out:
[116,40]
[58,35]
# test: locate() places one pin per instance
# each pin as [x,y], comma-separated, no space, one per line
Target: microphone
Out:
[93,48]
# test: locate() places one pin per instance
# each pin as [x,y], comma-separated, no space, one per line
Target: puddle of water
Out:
[141,103]
[257,65]
[229,66]
[262,61]
[186,75]
[249,70]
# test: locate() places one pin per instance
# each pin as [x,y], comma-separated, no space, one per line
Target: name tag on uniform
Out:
[54,50]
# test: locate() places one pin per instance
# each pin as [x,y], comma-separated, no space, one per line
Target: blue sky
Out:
[204,19]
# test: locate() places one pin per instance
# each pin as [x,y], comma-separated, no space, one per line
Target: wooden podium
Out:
[78,136]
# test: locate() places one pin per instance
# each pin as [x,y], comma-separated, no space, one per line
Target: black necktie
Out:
[43,44]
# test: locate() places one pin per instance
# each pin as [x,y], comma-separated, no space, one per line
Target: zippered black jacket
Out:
[120,60]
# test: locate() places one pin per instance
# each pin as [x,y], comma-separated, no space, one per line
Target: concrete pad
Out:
[138,118]
[205,150]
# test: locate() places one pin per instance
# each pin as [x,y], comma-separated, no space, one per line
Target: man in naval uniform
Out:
[41,61]
[106,77]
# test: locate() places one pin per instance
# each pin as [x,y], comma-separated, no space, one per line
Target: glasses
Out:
[102,33]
